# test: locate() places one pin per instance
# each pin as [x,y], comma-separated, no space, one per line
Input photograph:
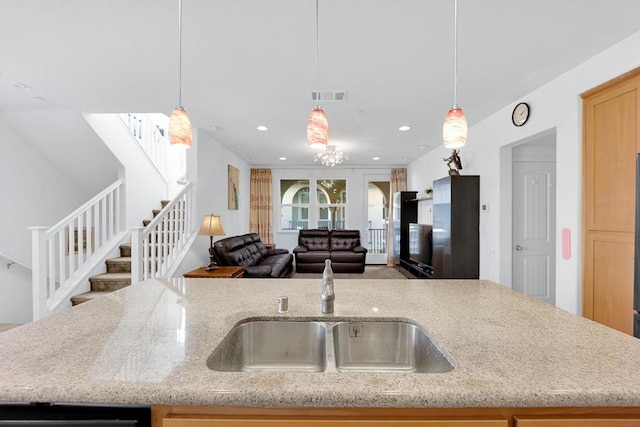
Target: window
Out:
[300,211]
[331,203]
[294,197]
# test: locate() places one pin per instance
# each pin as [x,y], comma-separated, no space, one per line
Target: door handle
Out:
[519,248]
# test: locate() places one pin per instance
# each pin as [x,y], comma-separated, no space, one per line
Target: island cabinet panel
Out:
[205,422]
[577,422]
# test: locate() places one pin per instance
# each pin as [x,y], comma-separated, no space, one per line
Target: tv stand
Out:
[416,270]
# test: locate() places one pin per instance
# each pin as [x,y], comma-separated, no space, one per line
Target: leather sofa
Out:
[249,252]
[342,247]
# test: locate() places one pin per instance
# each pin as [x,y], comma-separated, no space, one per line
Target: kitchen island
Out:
[149,343]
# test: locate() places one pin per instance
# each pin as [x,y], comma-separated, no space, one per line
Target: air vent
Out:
[328,95]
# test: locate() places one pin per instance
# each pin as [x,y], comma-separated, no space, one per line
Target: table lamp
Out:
[211,226]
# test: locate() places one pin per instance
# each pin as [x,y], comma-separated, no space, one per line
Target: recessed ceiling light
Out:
[375,158]
[423,147]
[404,158]
[262,128]
[238,147]
[216,128]
[282,158]
[404,128]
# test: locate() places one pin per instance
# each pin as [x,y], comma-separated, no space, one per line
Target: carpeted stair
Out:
[118,273]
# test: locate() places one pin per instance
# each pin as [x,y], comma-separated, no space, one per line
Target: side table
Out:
[224,272]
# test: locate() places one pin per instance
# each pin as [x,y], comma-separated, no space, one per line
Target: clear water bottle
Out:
[328,294]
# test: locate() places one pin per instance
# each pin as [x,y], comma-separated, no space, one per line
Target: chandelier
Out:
[331,157]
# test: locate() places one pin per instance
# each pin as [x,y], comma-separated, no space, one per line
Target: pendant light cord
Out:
[455,54]
[317,48]
[180,53]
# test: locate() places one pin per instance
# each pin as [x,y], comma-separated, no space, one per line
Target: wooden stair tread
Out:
[122,259]
[111,276]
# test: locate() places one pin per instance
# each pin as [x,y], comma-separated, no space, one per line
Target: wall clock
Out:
[520,114]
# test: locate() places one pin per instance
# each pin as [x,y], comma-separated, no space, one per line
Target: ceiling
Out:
[252,62]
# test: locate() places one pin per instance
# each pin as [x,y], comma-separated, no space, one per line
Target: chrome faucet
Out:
[328,295]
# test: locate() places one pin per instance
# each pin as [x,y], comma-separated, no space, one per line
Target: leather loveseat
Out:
[248,251]
[342,247]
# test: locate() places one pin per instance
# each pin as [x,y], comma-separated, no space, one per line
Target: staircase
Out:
[118,273]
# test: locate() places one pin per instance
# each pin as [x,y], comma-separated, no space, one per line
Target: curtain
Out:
[261,205]
[398,183]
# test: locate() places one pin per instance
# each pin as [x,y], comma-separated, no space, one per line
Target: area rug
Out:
[370,272]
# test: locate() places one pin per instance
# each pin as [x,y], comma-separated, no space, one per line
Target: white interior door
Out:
[534,226]
[375,231]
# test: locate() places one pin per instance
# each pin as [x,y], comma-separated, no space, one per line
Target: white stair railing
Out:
[64,255]
[157,248]
[154,141]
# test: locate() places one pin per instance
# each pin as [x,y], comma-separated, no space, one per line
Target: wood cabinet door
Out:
[579,422]
[204,422]
[611,131]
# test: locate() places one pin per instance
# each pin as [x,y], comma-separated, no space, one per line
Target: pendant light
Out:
[180,132]
[454,131]
[317,125]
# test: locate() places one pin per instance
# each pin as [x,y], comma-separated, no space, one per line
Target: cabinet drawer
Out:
[578,422]
[204,422]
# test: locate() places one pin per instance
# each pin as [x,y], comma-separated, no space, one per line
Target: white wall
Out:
[34,192]
[356,197]
[557,105]
[207,163]
[144,187]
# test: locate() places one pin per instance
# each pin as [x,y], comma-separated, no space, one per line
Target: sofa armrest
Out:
[299,249]
[280,251]
[258,271]
[360,249]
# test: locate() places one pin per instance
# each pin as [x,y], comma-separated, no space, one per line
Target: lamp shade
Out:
[317,129]
[180,133]
[454,131]
[211,226]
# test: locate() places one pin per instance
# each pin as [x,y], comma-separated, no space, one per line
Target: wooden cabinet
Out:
[577,422]
[456,227]
[611,139]
[214,416]
[257,422]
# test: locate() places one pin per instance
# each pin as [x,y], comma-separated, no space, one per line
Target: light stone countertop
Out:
[149,343]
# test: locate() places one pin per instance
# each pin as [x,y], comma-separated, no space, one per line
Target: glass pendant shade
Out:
[180,133]
[454,131]
[317,129]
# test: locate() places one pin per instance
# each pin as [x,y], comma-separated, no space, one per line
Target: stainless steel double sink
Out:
[278,345]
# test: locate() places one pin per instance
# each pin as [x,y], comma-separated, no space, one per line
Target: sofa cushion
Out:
[312,257]
[314,240]
[258,271]
[278,264]
[346,256]
[344,240]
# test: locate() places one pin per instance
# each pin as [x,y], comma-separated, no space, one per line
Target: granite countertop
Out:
[149,343]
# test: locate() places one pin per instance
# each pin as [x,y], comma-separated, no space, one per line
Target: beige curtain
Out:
[261,205]
[398,183]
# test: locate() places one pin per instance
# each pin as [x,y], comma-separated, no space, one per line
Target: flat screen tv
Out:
[420,244]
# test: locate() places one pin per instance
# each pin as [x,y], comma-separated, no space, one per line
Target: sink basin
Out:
[277,345]
[386,347]
[272,346]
